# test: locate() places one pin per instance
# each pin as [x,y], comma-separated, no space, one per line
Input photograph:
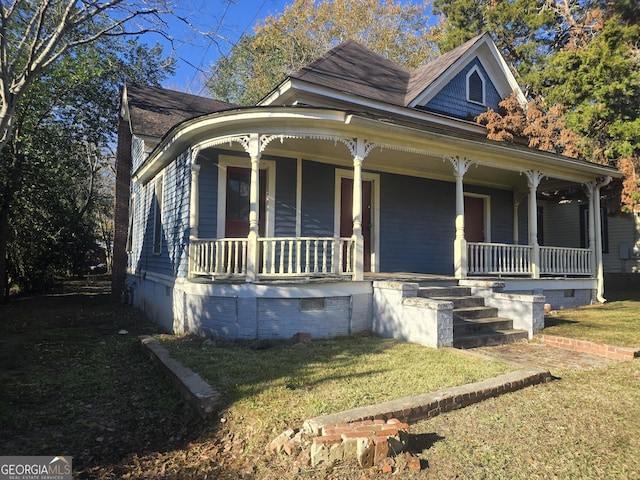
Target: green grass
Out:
[72,385]
[584,426]
[616,322]
[271,386]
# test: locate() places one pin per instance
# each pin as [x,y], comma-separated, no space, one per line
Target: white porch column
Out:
[194,201]
[358,239]
[534,178]
[253,257]
[460,261]
[597,221]
[589,189]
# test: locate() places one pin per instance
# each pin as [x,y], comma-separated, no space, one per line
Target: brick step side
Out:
[474,312]
[501,337]
[489,324]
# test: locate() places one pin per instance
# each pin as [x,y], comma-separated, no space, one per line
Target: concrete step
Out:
[463,302]
[481,325]
[488,339]
[468,313]
[449,291]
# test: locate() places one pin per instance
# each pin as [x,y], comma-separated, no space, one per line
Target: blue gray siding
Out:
[452,99]
[416,224]
[318,198]
[208,193]
[286,180]
[137,153]
[172,260]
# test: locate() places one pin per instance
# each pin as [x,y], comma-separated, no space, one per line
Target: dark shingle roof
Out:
[153,110]
[353,68]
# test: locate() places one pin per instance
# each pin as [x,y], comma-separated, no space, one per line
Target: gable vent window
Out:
[475,87]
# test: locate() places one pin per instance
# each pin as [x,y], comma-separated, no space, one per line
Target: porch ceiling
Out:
[426,164]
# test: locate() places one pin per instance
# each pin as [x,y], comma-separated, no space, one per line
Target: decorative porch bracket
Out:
[534,177]
[460,261]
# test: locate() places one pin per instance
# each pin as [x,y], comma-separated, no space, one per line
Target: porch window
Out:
[475,86]
[584,228]
[157,217]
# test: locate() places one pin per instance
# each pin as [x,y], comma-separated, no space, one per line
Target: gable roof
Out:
[422,77]
[353,68]
[356,70]
[152,111]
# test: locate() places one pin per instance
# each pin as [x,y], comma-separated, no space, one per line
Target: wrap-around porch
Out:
[260,256]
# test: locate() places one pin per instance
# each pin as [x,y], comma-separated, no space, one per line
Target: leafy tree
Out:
[543,129]
[56,171]
[525,31]
[34,35]
[307,29]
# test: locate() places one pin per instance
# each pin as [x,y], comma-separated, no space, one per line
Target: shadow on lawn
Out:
[73,383]
[554,321]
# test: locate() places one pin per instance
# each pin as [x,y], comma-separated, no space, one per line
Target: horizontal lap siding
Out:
[318,199]
[175,216]
[208,193]
[286,180]
[416,224]
[562,225]
[172,260]
[137,153]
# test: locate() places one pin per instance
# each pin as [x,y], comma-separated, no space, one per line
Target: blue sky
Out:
[227,20]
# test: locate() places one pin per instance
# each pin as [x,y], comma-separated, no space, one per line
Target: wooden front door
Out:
[237,214]
[474,221]
[346,215]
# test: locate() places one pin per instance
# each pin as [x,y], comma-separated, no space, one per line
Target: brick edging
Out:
[585,346]
[192,386]
[419,407]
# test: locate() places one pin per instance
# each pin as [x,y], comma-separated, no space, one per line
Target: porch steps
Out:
[474,324]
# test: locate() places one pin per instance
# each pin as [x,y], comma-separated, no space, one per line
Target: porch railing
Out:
[498,259]
[505,259]
[297,256]
[278,256]
[218,256]
[565,261]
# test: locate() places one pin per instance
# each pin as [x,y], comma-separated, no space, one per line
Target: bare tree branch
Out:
[34,35]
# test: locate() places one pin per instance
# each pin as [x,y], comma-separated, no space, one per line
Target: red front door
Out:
[474,219]
[237,215]
[346,215]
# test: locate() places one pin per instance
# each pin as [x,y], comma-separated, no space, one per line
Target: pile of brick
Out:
[370,442]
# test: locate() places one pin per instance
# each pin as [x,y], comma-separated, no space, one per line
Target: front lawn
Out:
[269,386]
[616,322]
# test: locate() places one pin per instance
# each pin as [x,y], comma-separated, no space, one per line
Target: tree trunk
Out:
[4,235]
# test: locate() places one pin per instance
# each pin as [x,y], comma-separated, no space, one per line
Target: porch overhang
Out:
[423,143]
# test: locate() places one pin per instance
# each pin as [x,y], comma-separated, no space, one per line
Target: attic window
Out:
[475,86]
